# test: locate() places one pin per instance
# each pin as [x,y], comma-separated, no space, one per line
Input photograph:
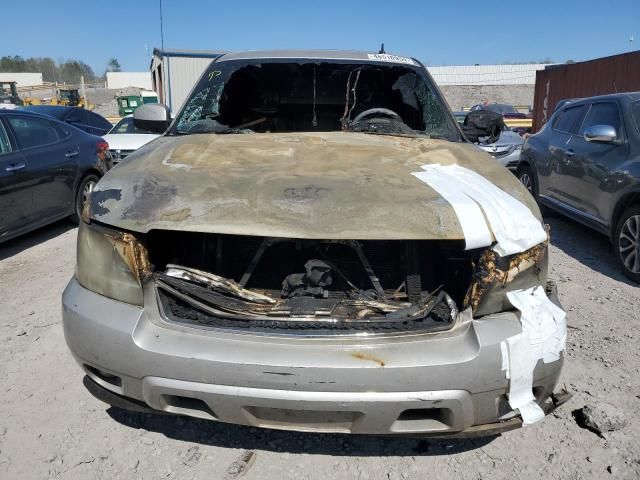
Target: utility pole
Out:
[84,92]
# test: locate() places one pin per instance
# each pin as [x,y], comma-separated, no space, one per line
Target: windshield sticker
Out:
[385,57]
[214,74]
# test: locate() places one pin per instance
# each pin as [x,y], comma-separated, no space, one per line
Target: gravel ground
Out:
[50,427]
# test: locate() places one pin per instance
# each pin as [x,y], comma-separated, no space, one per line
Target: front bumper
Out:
[447,383]
[510,161]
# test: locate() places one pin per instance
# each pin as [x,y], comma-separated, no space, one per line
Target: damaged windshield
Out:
[277,95]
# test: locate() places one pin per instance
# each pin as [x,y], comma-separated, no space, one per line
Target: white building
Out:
[118,80]
[174,73]
[22,79]
[486,74]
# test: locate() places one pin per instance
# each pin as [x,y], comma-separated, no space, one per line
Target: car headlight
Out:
[494,276]
[111,263]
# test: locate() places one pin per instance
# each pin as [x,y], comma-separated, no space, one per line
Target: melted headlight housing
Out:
[111,263]
[494,276]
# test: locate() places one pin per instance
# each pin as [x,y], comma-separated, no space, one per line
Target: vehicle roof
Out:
[51,110]
[302,53]
[631,96]
[25,111]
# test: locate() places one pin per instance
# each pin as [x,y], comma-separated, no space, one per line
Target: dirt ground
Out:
[50,427]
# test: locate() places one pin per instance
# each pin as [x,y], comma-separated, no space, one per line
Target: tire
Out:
[529,180]
[626,243]
[84,189]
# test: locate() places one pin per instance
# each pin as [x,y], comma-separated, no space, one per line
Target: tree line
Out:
[68,71]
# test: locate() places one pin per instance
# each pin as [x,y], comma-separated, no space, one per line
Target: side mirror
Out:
[153,117]
[600,133]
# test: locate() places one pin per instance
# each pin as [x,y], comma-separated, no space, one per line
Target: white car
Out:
[125,138]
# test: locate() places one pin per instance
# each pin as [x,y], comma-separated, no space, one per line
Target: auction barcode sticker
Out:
[384,57]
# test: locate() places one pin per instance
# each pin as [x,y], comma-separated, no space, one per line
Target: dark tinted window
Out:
[77,115]
[569,119]
[635,111]
[63,130]
[33,131]
[5,146]
[602,114]
[98,121]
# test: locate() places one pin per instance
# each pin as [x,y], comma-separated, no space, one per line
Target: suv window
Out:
[635,111]
[33,131]
[5,145]
[568,119]
[602,114]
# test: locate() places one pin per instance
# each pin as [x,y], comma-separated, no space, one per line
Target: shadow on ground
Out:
[585,245]
[225,435]
[16,245]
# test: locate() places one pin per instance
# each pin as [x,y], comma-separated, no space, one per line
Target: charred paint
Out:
[100,197]
[150,198]
[306,185]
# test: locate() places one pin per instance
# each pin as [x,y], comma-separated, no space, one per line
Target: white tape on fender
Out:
[515,228]
[474,227]
[544,334]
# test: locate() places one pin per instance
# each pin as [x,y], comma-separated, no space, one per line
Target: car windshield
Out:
[277,95]
[126,125]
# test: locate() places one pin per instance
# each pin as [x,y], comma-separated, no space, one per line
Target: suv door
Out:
[51,163]
[15,187]
[595,162]
[564,126]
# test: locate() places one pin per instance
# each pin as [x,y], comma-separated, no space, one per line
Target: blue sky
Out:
[440,32]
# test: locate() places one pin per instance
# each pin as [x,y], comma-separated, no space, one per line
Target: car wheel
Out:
[626,243]
[527,178]
[82,195]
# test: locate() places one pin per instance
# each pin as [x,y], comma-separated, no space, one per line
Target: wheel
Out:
[528,179]
[626,243]
[82,195]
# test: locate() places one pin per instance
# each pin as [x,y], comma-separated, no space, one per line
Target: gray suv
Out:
[585,164]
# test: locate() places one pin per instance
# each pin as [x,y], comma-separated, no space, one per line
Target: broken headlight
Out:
[494,276]
[111,263]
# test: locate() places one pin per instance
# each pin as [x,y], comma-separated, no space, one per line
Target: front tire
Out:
[82,195]
[529,180]
[626,243]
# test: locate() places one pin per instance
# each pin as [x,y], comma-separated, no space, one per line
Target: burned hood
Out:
[333,185]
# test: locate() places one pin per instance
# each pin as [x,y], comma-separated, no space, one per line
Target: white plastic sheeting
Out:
[543,337]
[482,207]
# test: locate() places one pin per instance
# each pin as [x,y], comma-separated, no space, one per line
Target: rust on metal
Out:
[369,357]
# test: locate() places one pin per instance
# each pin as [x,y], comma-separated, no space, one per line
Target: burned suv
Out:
[312,245]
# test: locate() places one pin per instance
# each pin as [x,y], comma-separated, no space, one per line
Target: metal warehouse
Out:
[175,72]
